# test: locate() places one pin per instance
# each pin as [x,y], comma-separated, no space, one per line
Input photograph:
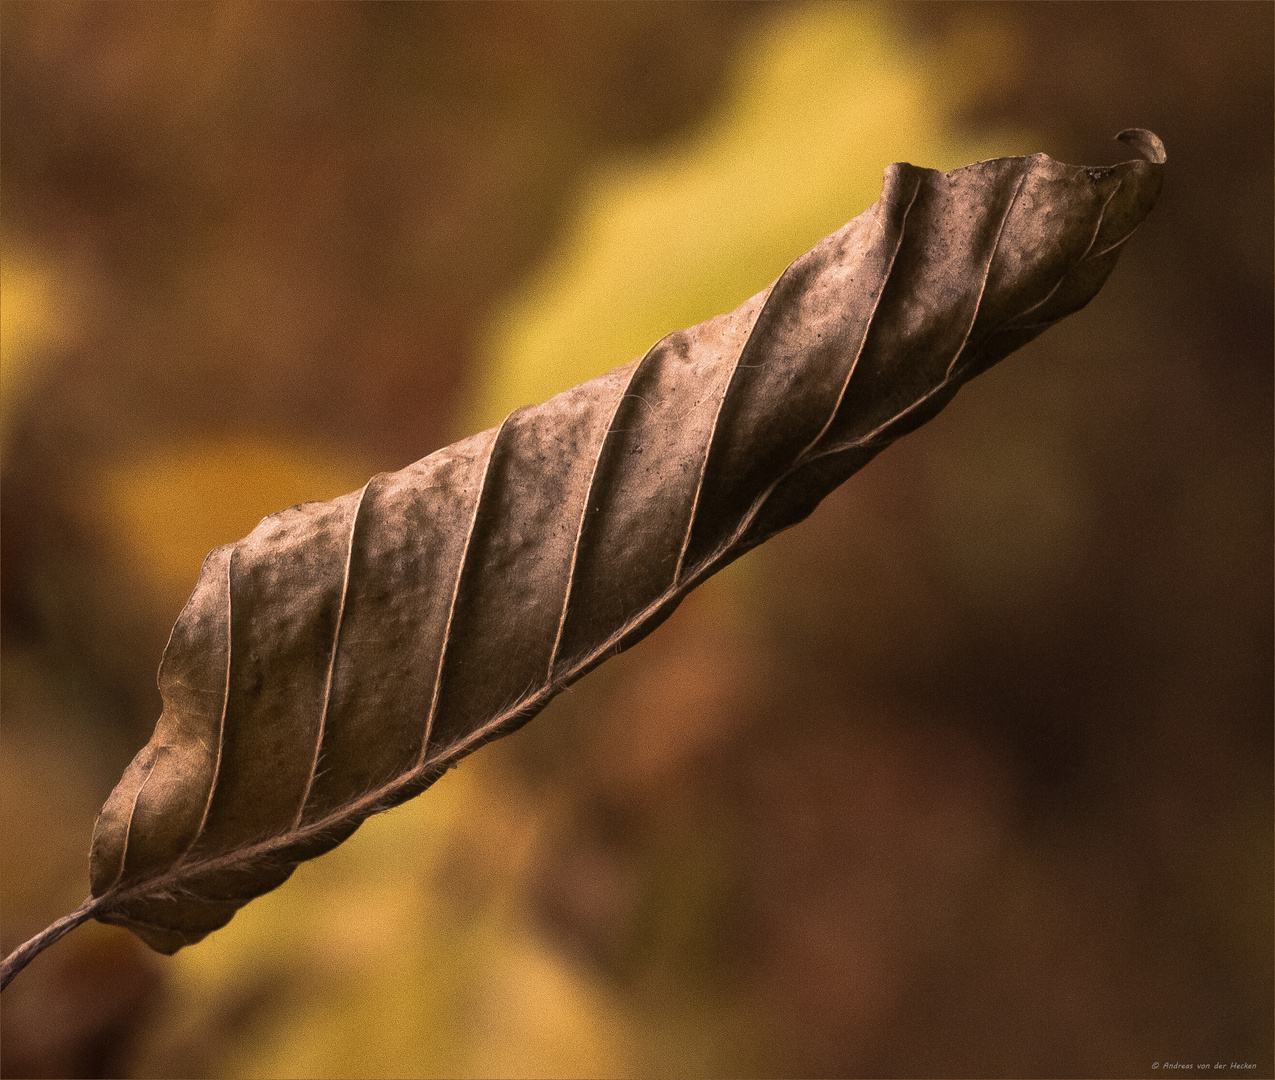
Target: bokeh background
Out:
[968,775]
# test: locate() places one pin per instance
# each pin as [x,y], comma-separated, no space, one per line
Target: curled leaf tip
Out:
[1147,143]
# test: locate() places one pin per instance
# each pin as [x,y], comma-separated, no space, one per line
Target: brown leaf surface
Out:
[341,657]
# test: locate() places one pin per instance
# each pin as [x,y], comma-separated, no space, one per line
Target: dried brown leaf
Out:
[342,656]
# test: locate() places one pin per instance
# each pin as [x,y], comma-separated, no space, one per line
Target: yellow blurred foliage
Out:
[30,320]
[168,506]
[404,953]
[828,96]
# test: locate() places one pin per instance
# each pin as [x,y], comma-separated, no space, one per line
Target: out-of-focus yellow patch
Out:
[370,962]
[829,96]
[826,98]
[30,320]
[167,508]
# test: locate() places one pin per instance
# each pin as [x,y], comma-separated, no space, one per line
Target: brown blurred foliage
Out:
[974,780]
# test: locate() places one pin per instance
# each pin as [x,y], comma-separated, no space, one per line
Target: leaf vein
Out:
[987,273]
[225,705]
[132,813]
[460,574]
[336,641]
[584,514]
[803,457]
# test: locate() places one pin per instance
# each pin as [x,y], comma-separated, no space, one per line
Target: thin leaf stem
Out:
[29,950]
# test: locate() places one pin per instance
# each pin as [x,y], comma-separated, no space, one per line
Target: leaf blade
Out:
[491,574]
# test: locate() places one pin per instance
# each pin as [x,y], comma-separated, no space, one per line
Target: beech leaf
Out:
[344,655]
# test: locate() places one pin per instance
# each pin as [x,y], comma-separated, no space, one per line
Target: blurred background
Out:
[968,775]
